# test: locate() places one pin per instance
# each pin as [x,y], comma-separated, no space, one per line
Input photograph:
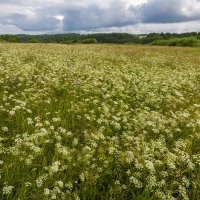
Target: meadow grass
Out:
[99,122]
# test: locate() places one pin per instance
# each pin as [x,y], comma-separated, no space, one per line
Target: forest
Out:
[164,39]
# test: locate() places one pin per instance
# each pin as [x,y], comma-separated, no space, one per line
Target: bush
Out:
[33,41]
[88,41]
[184,42]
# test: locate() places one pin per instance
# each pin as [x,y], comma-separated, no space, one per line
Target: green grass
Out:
[99,122]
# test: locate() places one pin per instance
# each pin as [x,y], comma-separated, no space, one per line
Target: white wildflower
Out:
[46,192]
[5,129]
[7,189]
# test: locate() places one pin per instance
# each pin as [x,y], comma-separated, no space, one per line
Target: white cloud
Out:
[59,17]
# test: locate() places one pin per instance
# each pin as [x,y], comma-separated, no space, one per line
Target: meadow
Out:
[99,122]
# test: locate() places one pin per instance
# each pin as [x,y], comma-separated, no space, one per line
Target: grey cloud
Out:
[166,11]
[94,17]
[25,23]
[39,16]
[117,15]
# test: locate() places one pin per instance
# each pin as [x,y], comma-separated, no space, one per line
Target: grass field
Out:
[99,122]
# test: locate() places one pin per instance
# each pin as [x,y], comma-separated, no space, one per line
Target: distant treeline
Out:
[169,39]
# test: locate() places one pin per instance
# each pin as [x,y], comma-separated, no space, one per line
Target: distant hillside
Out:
[118,38]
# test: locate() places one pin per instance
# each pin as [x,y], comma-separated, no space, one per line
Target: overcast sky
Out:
[83,16]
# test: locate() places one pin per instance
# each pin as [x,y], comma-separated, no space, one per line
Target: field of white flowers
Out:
[99,122]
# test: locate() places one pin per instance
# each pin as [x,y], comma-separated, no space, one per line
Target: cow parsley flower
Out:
[5,129]
[7,189]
